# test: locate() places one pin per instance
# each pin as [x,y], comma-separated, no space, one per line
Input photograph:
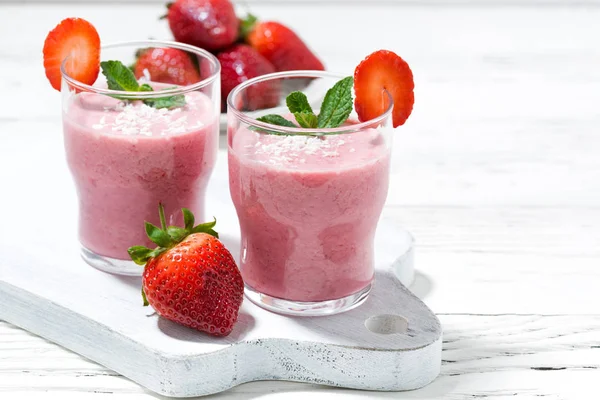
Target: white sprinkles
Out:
[140,119]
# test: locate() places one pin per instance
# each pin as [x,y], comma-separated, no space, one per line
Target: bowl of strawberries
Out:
[246,47]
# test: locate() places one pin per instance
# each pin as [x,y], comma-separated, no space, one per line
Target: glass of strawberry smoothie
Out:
[126,154]
[308,200]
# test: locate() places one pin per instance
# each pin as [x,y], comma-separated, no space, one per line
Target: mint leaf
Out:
[166,102]
[297,102]
[300,107]
[119,77]
[306,119]
[145,88]
[275,119]
[337,104]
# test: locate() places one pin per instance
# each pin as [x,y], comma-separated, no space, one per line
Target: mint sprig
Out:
[335,109]
[120,77]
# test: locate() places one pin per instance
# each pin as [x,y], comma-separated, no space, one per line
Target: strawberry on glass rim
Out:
[379,72]
[77,40]
[190,278]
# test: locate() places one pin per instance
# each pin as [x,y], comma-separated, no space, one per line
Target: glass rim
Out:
[284,129]
[149,95]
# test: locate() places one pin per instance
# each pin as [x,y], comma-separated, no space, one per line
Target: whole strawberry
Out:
[167,65]
[240,63]
[280,45]
[190,278]
[208,24]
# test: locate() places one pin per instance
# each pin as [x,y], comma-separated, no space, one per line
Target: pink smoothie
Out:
[308,208]
[126,158]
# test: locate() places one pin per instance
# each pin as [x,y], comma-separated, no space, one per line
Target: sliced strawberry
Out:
[77,39]
[380,71]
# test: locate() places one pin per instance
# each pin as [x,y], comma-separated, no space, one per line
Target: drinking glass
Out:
[126,156]
[308,200]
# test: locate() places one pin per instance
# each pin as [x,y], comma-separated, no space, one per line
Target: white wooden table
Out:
[497,174]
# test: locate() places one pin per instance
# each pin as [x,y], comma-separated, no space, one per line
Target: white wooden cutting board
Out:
[391,342]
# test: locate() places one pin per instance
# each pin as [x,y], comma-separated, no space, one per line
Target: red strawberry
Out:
[209,24]
[280,45]
[191,278]
[167,65]
[240,63]
[77,39]
[380,71]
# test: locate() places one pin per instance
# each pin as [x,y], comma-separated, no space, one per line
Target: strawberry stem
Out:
[163,221]
[247,25]
[168,237]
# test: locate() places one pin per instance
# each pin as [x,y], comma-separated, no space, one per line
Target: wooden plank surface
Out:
[497,174]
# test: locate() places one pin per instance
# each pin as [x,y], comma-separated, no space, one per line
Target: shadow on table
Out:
[131,281]
[244,325]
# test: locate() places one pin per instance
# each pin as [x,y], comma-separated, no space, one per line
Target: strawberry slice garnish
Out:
[77,39]
[383,71]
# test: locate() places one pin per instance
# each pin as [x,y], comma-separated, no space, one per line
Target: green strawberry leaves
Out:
[144,299]
[159,236]
[188,218]
[247,25]
[168,237]
[335,110]
[120,77]
[206,227]
[141,254]
[176,233]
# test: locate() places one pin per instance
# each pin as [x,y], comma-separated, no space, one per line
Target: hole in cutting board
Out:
[387,324]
